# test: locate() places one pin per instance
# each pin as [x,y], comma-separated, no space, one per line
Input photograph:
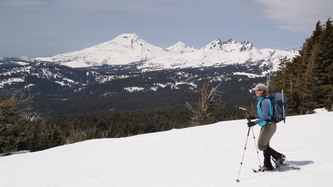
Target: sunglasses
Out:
[257,90]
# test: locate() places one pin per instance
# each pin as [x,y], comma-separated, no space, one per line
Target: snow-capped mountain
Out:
[123,69]
[124,49]
[130,48]
[180,47]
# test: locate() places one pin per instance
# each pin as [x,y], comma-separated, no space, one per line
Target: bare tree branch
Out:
[205,104]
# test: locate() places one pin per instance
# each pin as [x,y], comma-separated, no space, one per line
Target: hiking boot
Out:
[278,157]
[267,162]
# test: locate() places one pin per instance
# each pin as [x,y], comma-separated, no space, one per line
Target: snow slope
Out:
[199,156]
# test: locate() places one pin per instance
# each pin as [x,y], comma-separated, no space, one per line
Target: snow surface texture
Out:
[130,48]
[199,156]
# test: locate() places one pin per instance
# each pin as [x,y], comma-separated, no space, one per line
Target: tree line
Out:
[307,79]
[18,132]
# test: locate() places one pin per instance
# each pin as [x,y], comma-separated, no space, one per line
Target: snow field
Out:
[200,156]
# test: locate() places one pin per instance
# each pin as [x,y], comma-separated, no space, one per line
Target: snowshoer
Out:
[268,128]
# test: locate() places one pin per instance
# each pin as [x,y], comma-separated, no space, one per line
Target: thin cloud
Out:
[28,3]
[148,6]
[297,15]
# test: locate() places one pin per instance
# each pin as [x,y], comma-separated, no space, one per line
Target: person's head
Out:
[260,90]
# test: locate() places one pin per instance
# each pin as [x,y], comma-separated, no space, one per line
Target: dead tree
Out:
[210,98]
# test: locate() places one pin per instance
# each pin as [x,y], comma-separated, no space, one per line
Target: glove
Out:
[252,117]
[250,124]
[249,118]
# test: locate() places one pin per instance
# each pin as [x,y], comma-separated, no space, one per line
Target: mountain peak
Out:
[181,44]
[129,48]
[234,45]
[128,40]
[124,49]
[216,44]
[127,36]
[229,45]
[180,47]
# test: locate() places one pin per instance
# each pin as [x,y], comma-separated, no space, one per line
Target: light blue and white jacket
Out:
[265,111]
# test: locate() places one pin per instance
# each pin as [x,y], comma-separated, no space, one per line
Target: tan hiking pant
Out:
[266,133]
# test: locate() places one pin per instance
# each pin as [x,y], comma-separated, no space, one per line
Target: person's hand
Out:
[248,117]
[250,124]
[252,117]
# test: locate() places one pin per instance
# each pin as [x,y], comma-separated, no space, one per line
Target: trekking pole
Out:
[255,144]
[283,106]
[240,167]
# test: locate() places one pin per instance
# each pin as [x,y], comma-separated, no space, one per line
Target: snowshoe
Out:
[285,166]
[263,169]
[281,159]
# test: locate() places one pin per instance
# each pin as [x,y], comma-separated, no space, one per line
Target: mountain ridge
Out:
[129,48]
[144,71]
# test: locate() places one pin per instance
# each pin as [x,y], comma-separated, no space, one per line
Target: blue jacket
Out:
[265,111]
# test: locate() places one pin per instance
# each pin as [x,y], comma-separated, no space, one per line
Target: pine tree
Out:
[326,66]
[13,126]
[55,137]
[307,79]
[281,75]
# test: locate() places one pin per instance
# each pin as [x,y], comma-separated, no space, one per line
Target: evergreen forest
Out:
[307,80]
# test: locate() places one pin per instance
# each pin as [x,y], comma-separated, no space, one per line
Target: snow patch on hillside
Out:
[10,81]
[134,89]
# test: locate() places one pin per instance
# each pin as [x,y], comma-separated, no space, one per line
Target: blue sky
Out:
[48,27]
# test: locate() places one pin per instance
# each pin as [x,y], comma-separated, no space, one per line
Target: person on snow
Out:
[268,128]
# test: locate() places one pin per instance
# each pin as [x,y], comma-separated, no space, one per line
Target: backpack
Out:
[279,104]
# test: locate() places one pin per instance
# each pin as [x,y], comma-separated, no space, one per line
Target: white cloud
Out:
[297,15]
